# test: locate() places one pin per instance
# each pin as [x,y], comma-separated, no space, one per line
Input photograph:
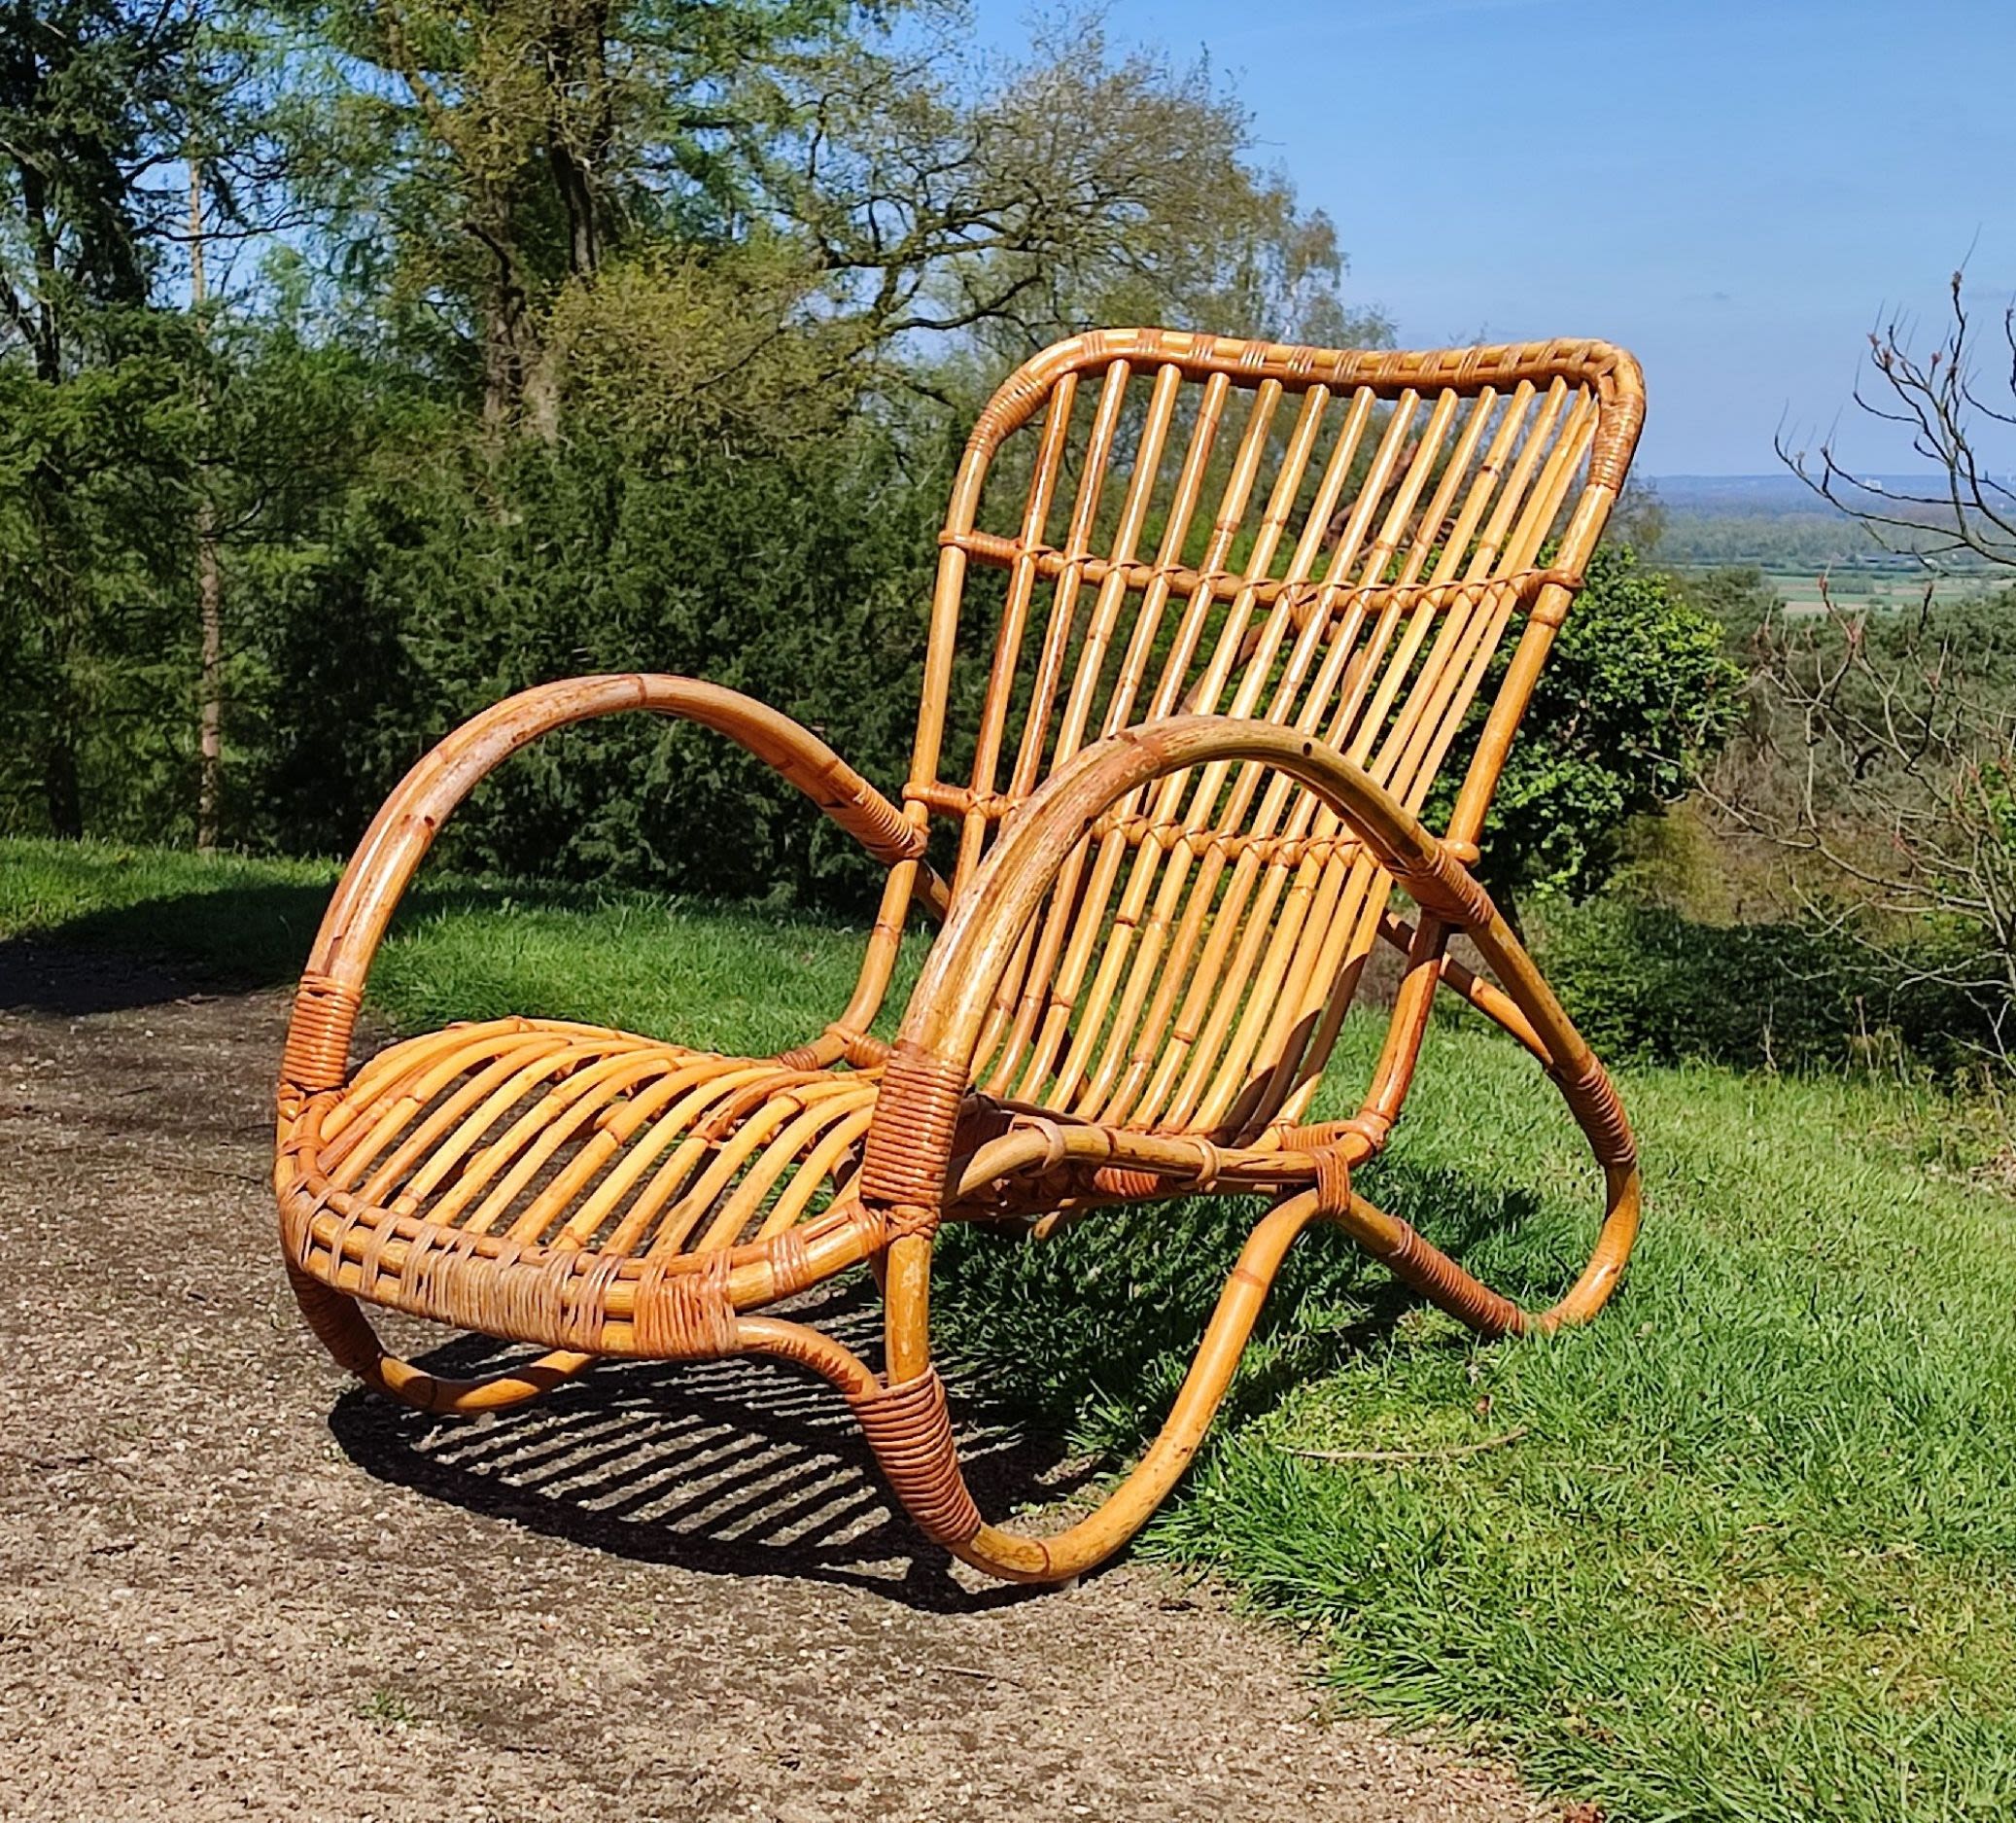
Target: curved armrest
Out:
[908,1145]
[331,989]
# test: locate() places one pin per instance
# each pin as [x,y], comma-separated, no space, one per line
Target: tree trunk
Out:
[210,687]
[60,790]
[46,338]
[581,126]
[209,577]
[502,376]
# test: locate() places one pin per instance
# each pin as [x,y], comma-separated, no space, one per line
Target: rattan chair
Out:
[1243,600]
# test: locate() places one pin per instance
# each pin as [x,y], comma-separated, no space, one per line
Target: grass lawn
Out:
[1753,1553]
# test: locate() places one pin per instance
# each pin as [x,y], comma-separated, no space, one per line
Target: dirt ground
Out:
[237,1587]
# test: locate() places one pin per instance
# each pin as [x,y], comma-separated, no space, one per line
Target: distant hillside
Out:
[1765,496]
[1775,522]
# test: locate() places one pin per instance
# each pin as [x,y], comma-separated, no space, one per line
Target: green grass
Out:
[1754,1555]
[729,978]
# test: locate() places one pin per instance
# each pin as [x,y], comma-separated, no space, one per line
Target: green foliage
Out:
[1969,643]
[1739,599]
[93,658]
[1634,694]
[1807,542]
[95,97]
[508,176]
[606,338]
[795,578]
[1647,982]
[1875,758]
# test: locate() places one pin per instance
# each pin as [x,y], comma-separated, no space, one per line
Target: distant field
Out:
[1876,590]
[1772,495]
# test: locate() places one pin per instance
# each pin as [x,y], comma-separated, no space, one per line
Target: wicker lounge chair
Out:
[1241,601]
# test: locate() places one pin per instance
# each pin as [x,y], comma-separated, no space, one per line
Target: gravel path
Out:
[238,1588]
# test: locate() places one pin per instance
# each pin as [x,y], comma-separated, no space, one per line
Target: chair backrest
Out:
[1340,542]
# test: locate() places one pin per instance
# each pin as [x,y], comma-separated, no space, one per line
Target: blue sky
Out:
[1734,191]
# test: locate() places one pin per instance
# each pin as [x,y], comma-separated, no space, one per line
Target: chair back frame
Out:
[1340,541]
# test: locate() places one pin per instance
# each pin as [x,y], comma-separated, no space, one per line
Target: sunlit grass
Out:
[733,978]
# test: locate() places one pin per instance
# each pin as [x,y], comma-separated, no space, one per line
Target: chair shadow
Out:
[1459,1211]
[748,1467]
[1332,1304]
[230,937]
[54,978]
[736,1467]
[117,959]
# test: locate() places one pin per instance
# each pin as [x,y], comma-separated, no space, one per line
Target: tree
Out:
[92,570]
[483,160]
[118,123]
[96,96]
[1944,404]
[545,179]
[1020,202]
[1895,741]
[96,99]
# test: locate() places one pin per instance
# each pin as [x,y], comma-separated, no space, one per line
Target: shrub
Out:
[1644,982]
[795,577]
[1634,694]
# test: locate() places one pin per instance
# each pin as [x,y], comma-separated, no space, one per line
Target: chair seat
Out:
[575,1186]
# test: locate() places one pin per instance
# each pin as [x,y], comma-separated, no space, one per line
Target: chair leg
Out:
[343,1329]
[1422,1264]
[911,1433]
[909,1429]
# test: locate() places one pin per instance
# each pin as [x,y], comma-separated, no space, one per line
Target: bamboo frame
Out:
[1250,597]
